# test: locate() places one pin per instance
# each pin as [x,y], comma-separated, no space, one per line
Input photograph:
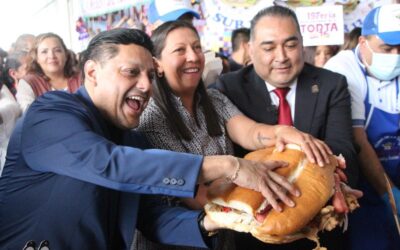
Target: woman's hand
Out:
[252,135]
[316,150]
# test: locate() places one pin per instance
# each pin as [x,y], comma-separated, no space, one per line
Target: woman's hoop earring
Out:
[160,74]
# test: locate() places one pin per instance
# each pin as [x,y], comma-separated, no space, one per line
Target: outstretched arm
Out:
[252,135]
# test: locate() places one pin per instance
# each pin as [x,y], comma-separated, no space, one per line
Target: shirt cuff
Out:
[358,122]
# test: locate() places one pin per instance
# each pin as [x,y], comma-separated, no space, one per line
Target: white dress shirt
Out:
[290,97]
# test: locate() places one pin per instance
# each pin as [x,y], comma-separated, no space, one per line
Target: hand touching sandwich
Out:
[246,210]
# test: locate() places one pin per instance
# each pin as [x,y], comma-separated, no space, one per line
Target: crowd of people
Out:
[116,148]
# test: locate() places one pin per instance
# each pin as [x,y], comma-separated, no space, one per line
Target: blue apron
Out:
[383,132]
[372,226]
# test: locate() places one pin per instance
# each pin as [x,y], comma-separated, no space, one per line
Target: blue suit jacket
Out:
[65,170]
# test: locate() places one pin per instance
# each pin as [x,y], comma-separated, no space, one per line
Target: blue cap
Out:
[383,21]
[169,10]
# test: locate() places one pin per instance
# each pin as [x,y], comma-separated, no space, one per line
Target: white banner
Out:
[100,7]
[223,16]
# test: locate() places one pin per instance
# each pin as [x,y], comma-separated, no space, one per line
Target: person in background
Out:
[225,63]
[74,60]
[9,112]
[313,100]
[319,55]
[240,49]
[76,164]
[3,56]
[51,67]
[183,116]
[373,73]
[352,39]
[15,68]
[23,43]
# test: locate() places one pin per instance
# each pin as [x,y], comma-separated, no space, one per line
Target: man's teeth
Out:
[140,99]
[137,98]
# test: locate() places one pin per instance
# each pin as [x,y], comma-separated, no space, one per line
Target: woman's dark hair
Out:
[352,39]
[13,61]
[163,96]
[310,52]
[33,65]
[104,46]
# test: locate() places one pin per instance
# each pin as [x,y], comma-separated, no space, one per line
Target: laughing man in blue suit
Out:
[74,172]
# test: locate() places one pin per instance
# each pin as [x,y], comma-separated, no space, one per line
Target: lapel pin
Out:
[314,89]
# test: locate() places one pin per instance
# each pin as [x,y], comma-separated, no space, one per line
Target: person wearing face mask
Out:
[373,71]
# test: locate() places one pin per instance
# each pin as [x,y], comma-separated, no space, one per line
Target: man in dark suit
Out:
[318,99]
[75,170]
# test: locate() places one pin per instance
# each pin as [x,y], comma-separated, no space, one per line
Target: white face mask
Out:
[385,67]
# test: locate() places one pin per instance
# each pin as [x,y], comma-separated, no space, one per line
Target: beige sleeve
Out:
[25,95]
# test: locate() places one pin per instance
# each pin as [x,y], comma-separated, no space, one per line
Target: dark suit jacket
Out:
[322,107]
[68,179]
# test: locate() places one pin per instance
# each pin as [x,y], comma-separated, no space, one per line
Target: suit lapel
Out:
[260,99]
[307,92]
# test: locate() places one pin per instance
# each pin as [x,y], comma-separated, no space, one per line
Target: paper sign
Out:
[322,25]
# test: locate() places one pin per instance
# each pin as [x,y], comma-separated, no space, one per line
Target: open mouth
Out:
[191,70]
[136,103]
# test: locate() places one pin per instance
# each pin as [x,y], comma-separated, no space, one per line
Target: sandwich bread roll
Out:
[236,208]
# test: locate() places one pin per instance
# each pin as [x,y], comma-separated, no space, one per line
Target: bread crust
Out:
[232,196]
[315,183]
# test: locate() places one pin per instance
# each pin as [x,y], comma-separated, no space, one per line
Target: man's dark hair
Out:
[104,46]
[239,36]
[162,92]
[273,11]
